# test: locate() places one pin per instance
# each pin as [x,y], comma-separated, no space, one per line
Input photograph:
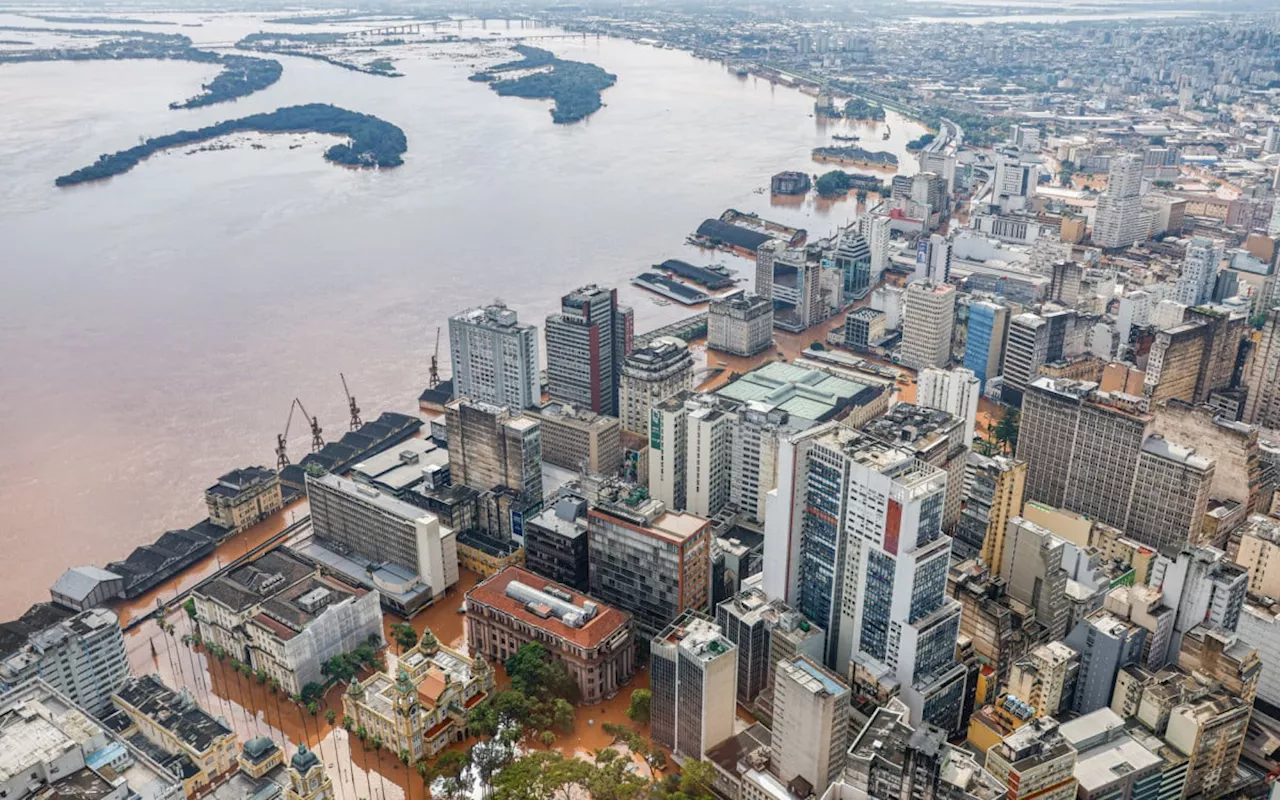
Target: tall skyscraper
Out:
[81,656]
[489,446]
[1015,181]
[1034,340]
[650,375]
[694,683]
[1204,588]
[586,344]
[933,259]
[1199,270]
[875,229]
[994,490]
[954,391]
[853,259]
[930,318]
[1262,405]
[810,723]
[494,357]
[1118,221]
[1106,644]
[985,340]
[1031,566]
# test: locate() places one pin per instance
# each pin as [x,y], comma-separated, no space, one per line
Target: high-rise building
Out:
[937,438]
[930,317]
[652,563]
[1211,731]
[1031,566]
[786,276]
[853,260]
[489,446]
[494,357]
[1199,270]
[1170,495]
[994,491]
[1035,761]
[810,723]
[376,541]
[985,340]
[555,543]
[954,391]
[875,229]
[1112,763]
[586,344]
[1262,406]
[1015,181]
[82,657]
[693,679]
[1000,630]
[741,324]
[863,328]
[1106,644]
[933,259]
[698,479]
[578,439]
[1026,350]
[1040,678]
[651,374]
[765,632]
[1118,221]
[1203,588]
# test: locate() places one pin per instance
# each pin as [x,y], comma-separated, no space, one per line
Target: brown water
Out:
[154,328]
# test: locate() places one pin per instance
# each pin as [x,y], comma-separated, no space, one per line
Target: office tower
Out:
[652,563]
[765,632]
[766,255]
[586,344]
[1035,762]
[985,340]
[929,317]
[378,542]
[1015,181]
[929,189]
[1032,568]
[1064,282]
[694,683]
[1170,495]
[1211,731]
[863,329]
[794,284]
[1262,406]
[853,260]
[890,300]
[82,657]
[577,439]
[595,642]
[1040,678]
[753,456]
[651,374]
[1026,350]
[954,391]
[941,164]
[1174,362]
[1145,606]
[690,444]
[810,723]
[1203,588]
[875,229]
[1199,270]
[995,487]
[1222,657]
[494,357]
[1106,644]
[490,446]
[1118,221]
[1111,762]
[1000,630]
[741,324]
[555,543]
[1025,138]
[933,259]
[1259,547]
[1271,142]
[936,438]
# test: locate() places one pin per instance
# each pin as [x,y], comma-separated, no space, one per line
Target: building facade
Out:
[741,324]
[651,374]
[693,680]
[586,344]
[929,320]
[81,657]
[576,439]
[555,544]
[242,497]
[810,723]
[494,357]
[489,446]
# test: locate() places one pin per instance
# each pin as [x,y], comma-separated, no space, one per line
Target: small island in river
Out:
[573,85]
[307,45]
[373,142]
[240,76]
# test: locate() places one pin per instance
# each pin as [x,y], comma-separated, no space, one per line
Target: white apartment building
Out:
[930,318]
[810,723]
[954,391]
[494,357]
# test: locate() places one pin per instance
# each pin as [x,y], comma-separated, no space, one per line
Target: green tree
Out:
[986,447]
[547,738]
[563,715]
[527,668]
[404,635]
[190,608]
[330,715]
[1007,429]
[638,709]
[348,722]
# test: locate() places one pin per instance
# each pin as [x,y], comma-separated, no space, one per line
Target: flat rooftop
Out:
[813,677]
[493,593]
[806,393]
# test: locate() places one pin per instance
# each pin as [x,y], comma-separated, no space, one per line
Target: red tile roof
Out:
[492,593]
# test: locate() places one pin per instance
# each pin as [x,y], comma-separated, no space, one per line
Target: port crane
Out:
[356,422]
[434,378]
[317,440]
[282,439]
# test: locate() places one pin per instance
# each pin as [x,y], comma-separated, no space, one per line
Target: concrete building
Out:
[1170,495]
[1043,677]
[652,563]
[51,748]
[1210,731]
[1258,551]
[1027,349]
[1203,588]
[853,262]
[555,543]
[1118,221]
[933,259]
[279,615]
[693,680]
[1106,644]
[186,738]
[929,319]
[765,632]
[741,324]
[1262,406]
[994,490]
[954,391]
[875,228]
[985,340]
[594,641]
[494,357]
[651,374]
[378,542]
[863,328]
[490,446]
[1260,627]
[1110,761]
[787,277]
[999,629]
[1031,565]
[1199,270]
[810,723]
[937,438]
[1234,447]
[1035,761]
[579,439]
[416,710]
[242,497]
[586,344]
[81,656]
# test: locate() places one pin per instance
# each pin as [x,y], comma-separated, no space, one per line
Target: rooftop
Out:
[401,466]
[79,582]
[697,637]
[256,581]
[806,393]
[368,496]
[238,480]
[1157,446]
[1109,763]
[175,712]
[813,677]
[496,593]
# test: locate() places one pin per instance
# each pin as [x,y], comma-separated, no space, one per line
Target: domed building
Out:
[307,778]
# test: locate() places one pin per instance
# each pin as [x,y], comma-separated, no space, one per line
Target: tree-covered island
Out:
[306,45]
[575,86]
[373,142]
